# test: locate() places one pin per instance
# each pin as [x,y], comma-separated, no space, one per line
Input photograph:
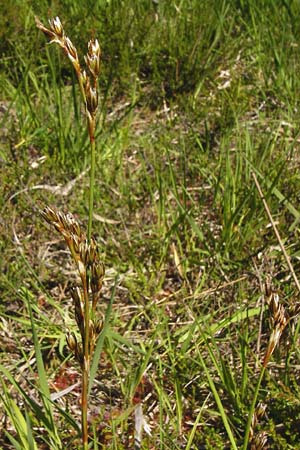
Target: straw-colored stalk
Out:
[85,254]
[83,249]
[278,322]
[88,83]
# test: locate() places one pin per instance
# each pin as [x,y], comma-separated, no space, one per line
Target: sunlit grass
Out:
[195,97]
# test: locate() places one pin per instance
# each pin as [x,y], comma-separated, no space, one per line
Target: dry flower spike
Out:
[83,247]
[278,320]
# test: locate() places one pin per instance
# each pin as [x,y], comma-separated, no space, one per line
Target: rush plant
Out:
[83,247]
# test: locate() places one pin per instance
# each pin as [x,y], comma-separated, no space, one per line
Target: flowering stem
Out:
[90,270]
[252,408]
[85,366]
[86,347]
[92,174]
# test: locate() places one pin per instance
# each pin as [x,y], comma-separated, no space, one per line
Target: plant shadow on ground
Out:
[195,96]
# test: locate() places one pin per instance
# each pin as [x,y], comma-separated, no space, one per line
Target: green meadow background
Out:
[196,96]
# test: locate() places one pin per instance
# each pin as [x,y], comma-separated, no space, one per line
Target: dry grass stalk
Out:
[85,253]
[258,440]
[83,248]
[278,320]
[88,83]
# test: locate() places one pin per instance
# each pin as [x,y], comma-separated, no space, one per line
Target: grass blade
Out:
[101,339]
[43,382]
[218,402]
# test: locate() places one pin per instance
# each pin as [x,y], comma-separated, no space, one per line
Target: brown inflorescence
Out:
[278,320]
[91,270]
[92,59]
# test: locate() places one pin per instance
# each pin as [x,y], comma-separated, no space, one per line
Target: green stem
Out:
[92,176]
[91,125]
[252,408]
[82,91]
[84,419]
[85,282]
[85,367]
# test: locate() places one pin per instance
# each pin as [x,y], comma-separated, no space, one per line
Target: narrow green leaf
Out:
[224,323]
[21,426]
[14,442]
[43,382]
[218,402]
[30,439]
[101,339]
[194,429]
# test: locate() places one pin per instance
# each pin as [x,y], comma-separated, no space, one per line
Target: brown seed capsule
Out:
[81,269]
[88,251]
[91,98]
[98,326]
[49,214]
[72,341]
[98,271]
[56,26]
[79,354]
[45,30]
[77,297]
[260,410]
[75,243]
[71,52]
[83,251]
[92,59]
[73,226]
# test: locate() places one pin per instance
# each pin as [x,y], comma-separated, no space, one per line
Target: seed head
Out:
[98,272]
[260,410]
[92,58]
[83,77]
[91,94]
[79,354]
[278,319]
[56,32]
[56,26]
[88,251]
[98,326]
[45,30]
[49,214]
[94,48]
[81,269]
[71,341]
[72,225]
[259,441]
[71,52]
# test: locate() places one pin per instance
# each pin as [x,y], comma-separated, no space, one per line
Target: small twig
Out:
[287,258]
